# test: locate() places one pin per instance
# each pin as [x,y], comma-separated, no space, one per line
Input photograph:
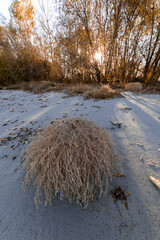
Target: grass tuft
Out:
[71,159]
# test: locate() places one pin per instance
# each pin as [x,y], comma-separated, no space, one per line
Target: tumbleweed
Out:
[71,159]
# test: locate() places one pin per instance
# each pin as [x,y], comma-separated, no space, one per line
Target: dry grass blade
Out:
[73,159]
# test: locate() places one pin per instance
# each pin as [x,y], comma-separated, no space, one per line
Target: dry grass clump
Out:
[15,86]
[80,88]
[104,92]
[95,91]
[36,87]
[134,86]
[73,159]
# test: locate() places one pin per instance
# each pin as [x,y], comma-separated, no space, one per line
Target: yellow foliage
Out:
[149,74]
[23,15]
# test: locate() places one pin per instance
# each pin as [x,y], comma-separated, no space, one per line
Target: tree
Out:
[20,54]
[23,18]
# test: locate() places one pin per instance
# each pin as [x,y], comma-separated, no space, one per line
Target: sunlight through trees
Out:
[81,41]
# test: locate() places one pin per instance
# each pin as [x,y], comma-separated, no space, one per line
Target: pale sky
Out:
[4,5]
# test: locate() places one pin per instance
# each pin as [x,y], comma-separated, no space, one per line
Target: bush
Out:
[134,86]
[73,159]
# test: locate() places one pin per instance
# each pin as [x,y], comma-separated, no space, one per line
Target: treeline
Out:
[85,41]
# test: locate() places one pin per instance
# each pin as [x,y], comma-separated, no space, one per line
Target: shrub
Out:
[73,159]
[134,86]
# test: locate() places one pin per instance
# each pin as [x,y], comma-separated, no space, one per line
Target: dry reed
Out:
[71,159]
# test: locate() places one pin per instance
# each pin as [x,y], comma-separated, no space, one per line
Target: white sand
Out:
[138,137]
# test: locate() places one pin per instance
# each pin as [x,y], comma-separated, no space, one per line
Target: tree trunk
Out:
[98,73]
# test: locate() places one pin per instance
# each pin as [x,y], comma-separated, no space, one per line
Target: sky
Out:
[4,7]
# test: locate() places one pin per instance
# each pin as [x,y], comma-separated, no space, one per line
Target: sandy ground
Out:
[134,122]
